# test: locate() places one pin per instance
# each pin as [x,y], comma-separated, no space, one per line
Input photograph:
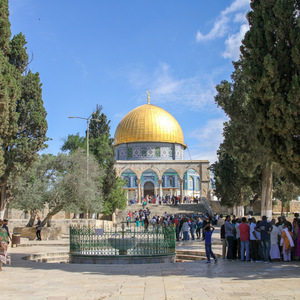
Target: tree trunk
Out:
[267,191]
[2,200]
[49,221]
[49,216]
[2,214]
[240,207]
[32,218]
[240,211]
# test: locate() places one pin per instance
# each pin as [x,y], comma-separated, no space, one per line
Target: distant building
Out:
[149,147]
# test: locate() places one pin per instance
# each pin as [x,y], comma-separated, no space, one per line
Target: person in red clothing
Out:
[245,239]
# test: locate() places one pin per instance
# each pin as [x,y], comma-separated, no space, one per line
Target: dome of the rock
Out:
[149,123]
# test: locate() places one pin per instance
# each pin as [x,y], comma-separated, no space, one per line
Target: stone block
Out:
[47,233]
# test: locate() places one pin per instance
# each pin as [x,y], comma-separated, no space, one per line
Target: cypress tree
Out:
[272,63]
[23,123]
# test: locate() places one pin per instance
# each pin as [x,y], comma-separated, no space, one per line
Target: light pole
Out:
[87,138]
[87,142]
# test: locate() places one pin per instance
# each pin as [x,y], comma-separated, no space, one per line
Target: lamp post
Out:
[87,138]
[87,142]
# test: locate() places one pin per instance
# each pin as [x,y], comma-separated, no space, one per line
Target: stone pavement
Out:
[187,280]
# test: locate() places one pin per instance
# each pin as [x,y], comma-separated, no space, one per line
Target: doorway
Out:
[149,189]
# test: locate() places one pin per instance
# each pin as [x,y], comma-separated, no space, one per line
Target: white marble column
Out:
[160,188]
[181,190]
[138,191]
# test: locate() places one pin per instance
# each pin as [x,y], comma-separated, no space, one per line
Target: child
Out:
[208,231]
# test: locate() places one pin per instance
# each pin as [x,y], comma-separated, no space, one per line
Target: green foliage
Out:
[271,64]
[4,27]
[30,188]
[18,55]
[23,117]
[284,189]
[74,142]
[101,146]
[232,185]
[60,183]
[117,198]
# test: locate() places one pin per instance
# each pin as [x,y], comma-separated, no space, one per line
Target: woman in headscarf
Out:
[3,245]
[286,242]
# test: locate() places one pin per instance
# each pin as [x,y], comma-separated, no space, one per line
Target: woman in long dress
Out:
[286,242]
[3,245]
[275,234]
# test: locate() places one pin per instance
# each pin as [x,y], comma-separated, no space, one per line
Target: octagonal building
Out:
[149,147]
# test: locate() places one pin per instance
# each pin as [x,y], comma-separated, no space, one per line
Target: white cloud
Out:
[239,18]
[218,30]
[208,138]
[235,6]
[233,42]
[193,92]
[222,26]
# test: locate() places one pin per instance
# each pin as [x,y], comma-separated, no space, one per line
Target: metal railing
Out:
[122,241]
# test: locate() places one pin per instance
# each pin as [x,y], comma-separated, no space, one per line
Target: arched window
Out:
[171,181]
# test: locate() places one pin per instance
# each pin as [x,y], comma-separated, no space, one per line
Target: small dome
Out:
[149,123]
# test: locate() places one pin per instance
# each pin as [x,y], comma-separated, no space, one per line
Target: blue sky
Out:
[110,52]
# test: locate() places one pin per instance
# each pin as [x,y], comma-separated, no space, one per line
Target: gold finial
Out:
[148,98]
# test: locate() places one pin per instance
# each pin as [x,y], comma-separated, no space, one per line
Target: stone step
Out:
[56,257]
[190,257]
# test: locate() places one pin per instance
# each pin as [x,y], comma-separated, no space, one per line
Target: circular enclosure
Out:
[122,246]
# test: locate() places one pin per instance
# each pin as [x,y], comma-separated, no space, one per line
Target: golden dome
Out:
[149,123]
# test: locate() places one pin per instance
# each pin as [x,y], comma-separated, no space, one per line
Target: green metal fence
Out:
[122,241]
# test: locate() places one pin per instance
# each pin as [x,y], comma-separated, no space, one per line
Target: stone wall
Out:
[47,233]
[57,229]
[256,207]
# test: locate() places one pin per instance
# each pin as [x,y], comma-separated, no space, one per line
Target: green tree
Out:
[241,134]
[284,189]
[73,142]
[234,187]
[59,183]
[18,56]
[23,123]
[101,146]
[71,190]
[116,198]
[271,57]
[30,188]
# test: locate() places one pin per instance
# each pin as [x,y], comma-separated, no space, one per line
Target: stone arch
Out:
[194,168]
[131,176]
[191,177]
[169,178]
[149,176]
[177,170]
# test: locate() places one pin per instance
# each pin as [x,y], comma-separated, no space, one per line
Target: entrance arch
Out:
[149,189]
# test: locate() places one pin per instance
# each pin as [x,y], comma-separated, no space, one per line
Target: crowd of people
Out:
[261,240]
[242,239]
[167,199]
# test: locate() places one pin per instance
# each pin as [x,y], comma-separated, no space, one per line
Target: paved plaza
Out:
[27,279]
